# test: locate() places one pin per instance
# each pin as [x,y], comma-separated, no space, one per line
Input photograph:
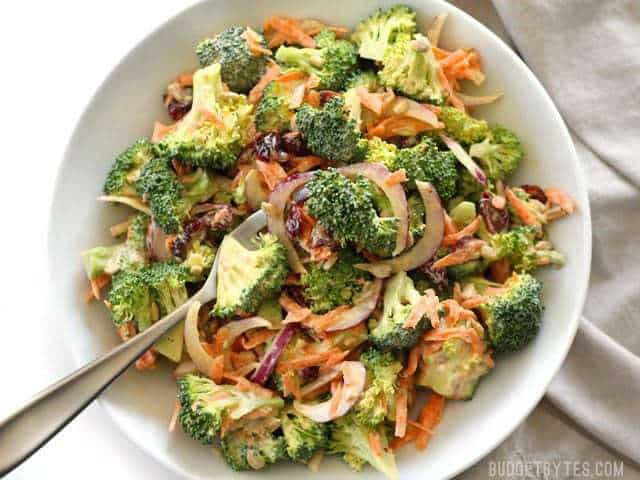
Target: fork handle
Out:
[30,427]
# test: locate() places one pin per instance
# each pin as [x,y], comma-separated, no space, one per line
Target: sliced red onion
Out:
[132,202]
[268,362]
[254,191]
[354,377]
[198,354]
[275,215]
[464,158]
[157,243]
[474,101]
[238,327]
[425,248]
[379,174]
[361,310]
[418,111]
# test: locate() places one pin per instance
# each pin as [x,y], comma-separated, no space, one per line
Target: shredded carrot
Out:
[500,270]
[296,316]
[217,369]
[286,29]
[521,208]
[310,360]
[453,309]
[376,102]
[469,335]
[312,97]
[147,361]
[560,198]
[304,164]
[461,255]
[429,418]
[410,436]
[313,27]
[336,358]
[97,284]
[412,361]
[255,338]
[254,42]
[291,384]
[272,72]
[397,177]
[248,386]
[220,339]
[469,230]
[402,412]
[185,80]
[375,443]
[272,173]
[160,130]
[292,76]
[336,393]
[241,359]
[397,126]
[474,302]
[449,227]
[322,322]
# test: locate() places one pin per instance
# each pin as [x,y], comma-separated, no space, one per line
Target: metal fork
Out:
[33,425]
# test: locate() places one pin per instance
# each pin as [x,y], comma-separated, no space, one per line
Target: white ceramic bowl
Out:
[125,107]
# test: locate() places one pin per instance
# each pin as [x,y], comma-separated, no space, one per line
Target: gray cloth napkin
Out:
[587,55]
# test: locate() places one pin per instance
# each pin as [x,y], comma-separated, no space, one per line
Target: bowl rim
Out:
[581,184]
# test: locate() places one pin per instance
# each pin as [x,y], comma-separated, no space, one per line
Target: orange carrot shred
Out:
[453,238]
[272,72]
[429,418]
[217,369]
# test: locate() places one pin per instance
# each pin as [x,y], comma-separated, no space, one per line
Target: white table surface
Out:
[55,54]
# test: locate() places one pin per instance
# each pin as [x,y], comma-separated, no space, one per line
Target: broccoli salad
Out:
[399,258]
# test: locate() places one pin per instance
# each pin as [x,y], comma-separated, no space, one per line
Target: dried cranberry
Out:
[180,244]
[437,276]
[536,192]
[310,373]
[297,294]
[293,143]
[301,195]
[220,219]
[267,146]
[193,226]
[496,220]
[326,95]
[293,224]
[177,109]
[320,237]
[463,241]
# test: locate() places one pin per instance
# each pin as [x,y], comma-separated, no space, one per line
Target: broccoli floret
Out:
[199,260]
[329,133]
[333,61]
[170,199]
[215,129]
[463,127]
[351,440]
[416,216]
[381,29]
[364,78]
[159,184]
[424,162]
[121,179]
[272,112]
[409,67]
[205,406]
[379,151]
[167,281]
[254,446]
[388,332]
[303,436]
[454,371]
[499,154]
[471,268]
[240,67]
[513,318]
[246,278]
[519,246]
[129,254]
[130,299]
[378,400]
[326,289]
[347,210]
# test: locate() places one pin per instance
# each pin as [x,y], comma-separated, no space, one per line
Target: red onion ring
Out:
[361,310]
[268,362]
[464,158]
